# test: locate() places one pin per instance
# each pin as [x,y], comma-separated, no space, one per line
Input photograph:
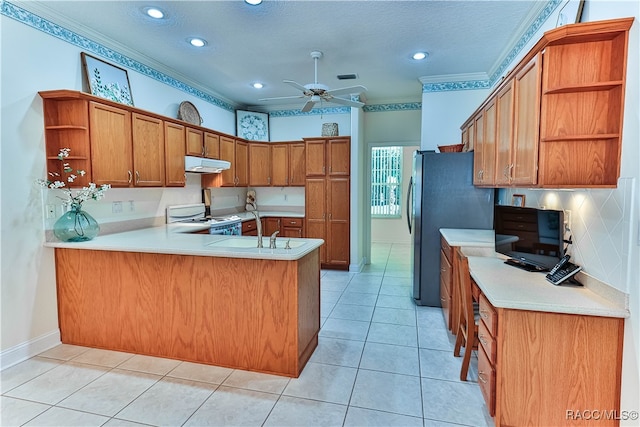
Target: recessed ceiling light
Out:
[419,56]
[197,42]
[257,85]
[253,2]
[154,12]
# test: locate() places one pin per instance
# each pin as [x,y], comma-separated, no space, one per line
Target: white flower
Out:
[86,193]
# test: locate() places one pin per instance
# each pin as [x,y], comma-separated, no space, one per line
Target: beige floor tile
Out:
[296,412]
[108,358]
[64,352]
[25,371]
[234,407]
[332,351]
[110,393]
[149,364]
[16,412]
[169,402]
[56,417]
[382,391]
[327,383]
[257,381]
[391,358]
[358,417]
[58,383]
[200,372]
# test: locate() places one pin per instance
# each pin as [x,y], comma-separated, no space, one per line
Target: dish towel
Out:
[251,201]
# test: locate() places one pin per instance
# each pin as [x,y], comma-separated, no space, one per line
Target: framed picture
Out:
[106,80]
[517,200]
[570,13]
[252,126]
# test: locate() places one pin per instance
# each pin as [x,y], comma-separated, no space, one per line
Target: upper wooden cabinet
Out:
[566,98]
[237,153]
[288,164]
[330,156]
[174,151]
[202,144]
[259,164]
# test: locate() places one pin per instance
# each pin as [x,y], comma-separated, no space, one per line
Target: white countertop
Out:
[510,287]
[468,237]
[246,216]
[163,240]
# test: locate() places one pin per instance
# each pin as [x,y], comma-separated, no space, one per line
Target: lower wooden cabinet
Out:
[292,227]
[537,368]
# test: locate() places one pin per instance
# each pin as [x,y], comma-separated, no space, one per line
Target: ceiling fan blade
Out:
[308,106]
[347,90]
[281,98]
[296,85]
[343,101]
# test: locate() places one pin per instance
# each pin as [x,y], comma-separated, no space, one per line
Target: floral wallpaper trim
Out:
[48,27]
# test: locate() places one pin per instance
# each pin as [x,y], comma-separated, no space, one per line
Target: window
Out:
[386,182]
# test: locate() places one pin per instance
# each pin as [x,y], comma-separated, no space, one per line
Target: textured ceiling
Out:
[273,41]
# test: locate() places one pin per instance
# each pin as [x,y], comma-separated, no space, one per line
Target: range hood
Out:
[202,165]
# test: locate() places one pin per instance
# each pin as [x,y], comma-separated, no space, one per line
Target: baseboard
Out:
[357,268]
[26,350]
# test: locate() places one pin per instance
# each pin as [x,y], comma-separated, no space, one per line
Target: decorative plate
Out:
[189,113]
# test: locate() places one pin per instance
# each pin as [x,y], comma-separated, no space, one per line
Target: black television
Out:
[531,238]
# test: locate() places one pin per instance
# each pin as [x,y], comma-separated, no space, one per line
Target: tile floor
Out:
[381,361]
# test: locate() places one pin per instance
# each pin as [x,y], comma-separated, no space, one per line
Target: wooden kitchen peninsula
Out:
[188,297]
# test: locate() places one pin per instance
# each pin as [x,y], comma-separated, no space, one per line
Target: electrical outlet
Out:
[132,206]
[51,211]
[567,220]
[285,197]
[116,207]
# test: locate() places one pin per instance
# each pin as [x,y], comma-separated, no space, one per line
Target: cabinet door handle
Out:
[137,177]
[323,170]
[204,151]
[329,216]
[484,314]
[482,339]
[130,177]
[269,180]
[481,377]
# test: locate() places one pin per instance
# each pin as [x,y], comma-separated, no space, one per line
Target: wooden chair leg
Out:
[465,361]
[459,341]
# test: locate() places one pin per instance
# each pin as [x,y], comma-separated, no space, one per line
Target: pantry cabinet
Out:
[327,210]
[559,112]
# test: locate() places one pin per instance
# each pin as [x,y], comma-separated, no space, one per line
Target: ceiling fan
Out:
[317,92]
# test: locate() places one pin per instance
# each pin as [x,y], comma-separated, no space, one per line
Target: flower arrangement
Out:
[73,199]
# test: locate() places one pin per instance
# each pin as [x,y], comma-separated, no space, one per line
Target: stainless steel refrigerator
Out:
[441,195]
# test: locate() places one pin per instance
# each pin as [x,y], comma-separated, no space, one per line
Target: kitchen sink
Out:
[252,243]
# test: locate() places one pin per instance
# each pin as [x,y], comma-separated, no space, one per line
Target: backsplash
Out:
[600,226]
[266,197]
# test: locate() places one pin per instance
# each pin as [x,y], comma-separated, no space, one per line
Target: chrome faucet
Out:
[272,240]
[258,227]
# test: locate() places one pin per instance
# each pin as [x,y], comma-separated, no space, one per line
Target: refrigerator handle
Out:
[409,191]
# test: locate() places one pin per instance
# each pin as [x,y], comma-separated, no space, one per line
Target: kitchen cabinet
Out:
[292,227]
[259,164]
[66,125]
[327,210]
[250,228]
[148,151]
[288,164]
[138,141]
[174,149]
[211,145]
[237,153]
[113,143]
[111,150]
[271,225]
[201,143]
[566,101]
[534,367]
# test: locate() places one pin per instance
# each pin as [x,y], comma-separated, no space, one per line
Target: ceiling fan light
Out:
[419,56]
